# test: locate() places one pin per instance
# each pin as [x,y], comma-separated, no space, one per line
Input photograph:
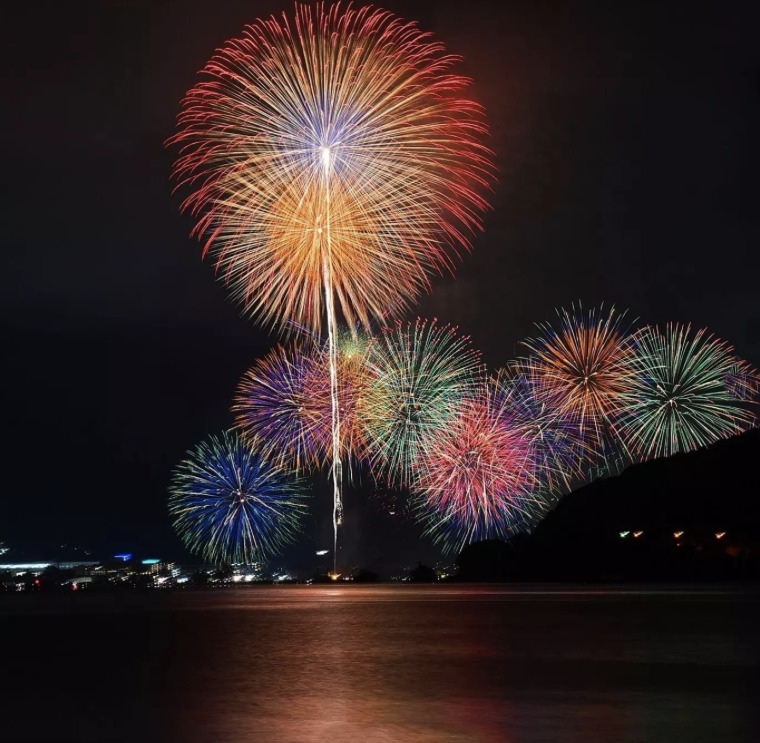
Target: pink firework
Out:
[477,479]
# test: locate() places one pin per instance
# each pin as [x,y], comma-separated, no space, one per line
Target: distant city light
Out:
[637,534]
[677,534]
[720,534]
[624,534]
[25,565]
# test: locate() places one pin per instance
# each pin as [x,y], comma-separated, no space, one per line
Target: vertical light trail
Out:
[332,333]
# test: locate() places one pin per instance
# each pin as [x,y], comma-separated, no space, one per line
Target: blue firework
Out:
[230,505]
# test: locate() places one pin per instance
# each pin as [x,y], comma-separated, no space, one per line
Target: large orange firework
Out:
[332,154]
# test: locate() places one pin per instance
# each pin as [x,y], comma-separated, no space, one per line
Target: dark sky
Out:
[626,138]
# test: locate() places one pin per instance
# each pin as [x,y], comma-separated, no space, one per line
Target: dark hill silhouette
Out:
[717,488]
[702,494]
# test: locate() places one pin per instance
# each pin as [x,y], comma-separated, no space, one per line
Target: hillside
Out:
[692,516]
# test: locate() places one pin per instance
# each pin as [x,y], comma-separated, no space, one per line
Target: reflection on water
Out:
[386,664]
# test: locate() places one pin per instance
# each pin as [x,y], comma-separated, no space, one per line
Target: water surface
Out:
[433,664]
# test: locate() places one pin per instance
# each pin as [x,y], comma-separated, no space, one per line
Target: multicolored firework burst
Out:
[580,370]
[477,478]
[420,373]
[232,506]
[743,381]
[283,402]
[686,390]
[334,165]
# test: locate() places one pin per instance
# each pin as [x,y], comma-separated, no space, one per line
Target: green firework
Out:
[683,391]
[420,373]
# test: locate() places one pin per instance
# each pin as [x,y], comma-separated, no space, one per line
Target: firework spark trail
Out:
[332,333]
[337,465]
[350,349]
[334,167]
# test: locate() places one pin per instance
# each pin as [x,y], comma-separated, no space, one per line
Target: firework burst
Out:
[687,389]
[283,402]
[579,369]
[743,381]
[275,408]
[476,479]
[420,373]
[339,136]
[230,505]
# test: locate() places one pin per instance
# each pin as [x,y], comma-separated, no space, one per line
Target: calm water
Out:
[384,664]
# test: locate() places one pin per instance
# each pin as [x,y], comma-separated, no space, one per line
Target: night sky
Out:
[626,143]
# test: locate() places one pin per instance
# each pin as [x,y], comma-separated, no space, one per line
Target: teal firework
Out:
[229,505]
[687,389]
[420,373]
